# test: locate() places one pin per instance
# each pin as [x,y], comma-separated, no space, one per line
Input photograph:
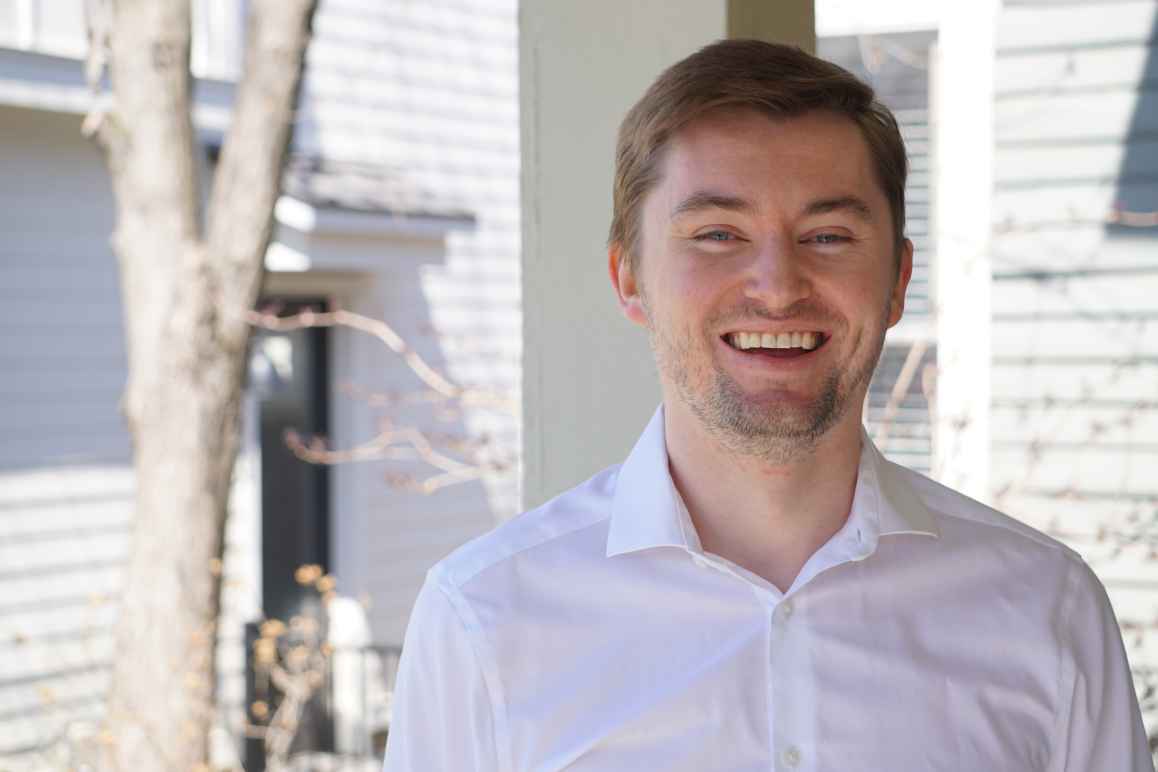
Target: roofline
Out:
[305,217]
[37,81]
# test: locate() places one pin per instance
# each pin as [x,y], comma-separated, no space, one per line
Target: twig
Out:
[385,333]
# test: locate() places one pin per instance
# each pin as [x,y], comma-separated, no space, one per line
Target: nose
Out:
[776,276]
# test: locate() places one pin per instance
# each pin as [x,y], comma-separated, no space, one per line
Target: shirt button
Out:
[791,756]
[786,608]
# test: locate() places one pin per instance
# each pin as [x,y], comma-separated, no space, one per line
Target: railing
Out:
[343,723]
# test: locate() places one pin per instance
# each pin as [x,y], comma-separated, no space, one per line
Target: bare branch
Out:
[393,444]
[384,332]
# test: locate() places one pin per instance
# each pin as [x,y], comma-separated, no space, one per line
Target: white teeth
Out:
[747,340]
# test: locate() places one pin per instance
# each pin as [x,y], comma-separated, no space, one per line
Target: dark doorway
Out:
[294,493]
[289,378]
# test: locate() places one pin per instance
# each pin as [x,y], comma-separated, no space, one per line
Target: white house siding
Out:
[1075,315]
[65,479]
[896,65]
[426,93]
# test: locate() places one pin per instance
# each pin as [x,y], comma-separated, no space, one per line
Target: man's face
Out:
[771,228]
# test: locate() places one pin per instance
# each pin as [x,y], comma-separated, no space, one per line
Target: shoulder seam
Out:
[919,482]
[458,580]
[450,566]
[1045,542]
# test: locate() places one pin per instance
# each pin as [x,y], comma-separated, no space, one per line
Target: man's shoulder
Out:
[958,514]
[582,507]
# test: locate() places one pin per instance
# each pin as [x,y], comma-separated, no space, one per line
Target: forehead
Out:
[770,161]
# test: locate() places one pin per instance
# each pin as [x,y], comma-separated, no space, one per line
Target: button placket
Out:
[789,734]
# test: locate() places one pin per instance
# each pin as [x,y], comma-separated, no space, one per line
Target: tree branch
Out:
[248,178]
[385,333]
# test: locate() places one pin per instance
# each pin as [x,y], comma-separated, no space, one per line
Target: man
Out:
[756,587]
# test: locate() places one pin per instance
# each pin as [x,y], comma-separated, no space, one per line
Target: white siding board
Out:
[1103,115]
[1091,294]
[1090,163]
[1060,249]
[1109,470]
[1074,25]
[1067,424]
[1066,204]
[1059,379]
[1079,337]
[1078,69]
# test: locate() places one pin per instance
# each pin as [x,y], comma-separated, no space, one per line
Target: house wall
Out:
[427,93]
[1074,317]
[65,474]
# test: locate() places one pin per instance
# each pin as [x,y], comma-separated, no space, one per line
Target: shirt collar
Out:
[647,510]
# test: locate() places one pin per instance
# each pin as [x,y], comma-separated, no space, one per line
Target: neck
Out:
[768,517]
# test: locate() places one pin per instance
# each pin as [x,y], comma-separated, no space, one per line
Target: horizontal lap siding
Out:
[65,481]
[896,66]
[1075,294]
[63,540]
[430,92]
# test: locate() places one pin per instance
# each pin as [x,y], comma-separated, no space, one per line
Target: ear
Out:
[897,299]
[626,284]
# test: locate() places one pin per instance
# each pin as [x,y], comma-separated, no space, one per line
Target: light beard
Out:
[775,435]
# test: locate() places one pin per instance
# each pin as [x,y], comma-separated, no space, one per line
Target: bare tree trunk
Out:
[186,292]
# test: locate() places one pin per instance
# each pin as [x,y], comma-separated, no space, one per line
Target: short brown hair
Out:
[778,80]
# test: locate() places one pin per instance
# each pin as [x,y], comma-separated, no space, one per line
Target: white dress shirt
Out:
[930,633]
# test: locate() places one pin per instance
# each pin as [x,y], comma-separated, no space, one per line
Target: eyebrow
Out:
[706,199]
[851,204]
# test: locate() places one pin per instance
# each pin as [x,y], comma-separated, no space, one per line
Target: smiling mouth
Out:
[784,345]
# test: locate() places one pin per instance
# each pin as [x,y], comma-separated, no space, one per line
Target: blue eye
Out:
[714,236]
[829,238]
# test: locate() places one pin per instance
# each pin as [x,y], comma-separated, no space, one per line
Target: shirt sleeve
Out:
[442,713]
[1100,722]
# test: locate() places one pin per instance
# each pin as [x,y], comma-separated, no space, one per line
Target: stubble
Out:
[774,431]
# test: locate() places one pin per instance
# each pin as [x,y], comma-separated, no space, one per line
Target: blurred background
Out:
[448,185]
